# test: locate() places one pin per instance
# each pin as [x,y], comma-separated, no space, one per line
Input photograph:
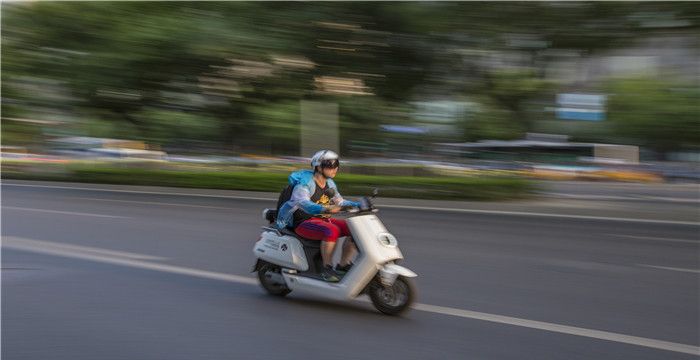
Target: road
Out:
[91,274]
[621,191]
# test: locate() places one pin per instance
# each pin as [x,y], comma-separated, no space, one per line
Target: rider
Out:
[314,198]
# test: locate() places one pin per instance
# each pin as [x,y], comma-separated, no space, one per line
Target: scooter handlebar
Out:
[365,206]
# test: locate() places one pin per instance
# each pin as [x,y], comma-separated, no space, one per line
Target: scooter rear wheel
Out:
[266,275]
[394,299]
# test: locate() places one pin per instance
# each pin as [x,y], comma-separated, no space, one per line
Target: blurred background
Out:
[562,90]
[553,108]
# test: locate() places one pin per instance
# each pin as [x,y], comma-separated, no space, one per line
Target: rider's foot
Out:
[329,275]
[342,270]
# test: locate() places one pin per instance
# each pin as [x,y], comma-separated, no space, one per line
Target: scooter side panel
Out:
[284,251]
[373,239]
[316,287]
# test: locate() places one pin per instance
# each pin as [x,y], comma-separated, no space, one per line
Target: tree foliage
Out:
[233,72]
[660,114]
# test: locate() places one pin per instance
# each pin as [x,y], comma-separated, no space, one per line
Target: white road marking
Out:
[585,197]
[470,211]
[696,271]
[61,212]
[143,192]
[156,203]
[668,199]
[13,241]
[617,197]
[563,329]
[654,238]
[17,243]
[518,213]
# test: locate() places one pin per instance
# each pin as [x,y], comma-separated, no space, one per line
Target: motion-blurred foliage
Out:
[660,114]
[231,74]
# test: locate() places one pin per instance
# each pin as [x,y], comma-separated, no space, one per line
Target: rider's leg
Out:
[327,248]
[349,252]
[327,232]
[349,247]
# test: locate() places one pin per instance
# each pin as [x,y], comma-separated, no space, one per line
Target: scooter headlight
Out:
[387,239]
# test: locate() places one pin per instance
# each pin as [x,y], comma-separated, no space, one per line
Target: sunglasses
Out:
[331,164]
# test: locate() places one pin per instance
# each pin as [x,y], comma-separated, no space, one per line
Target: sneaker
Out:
[342,270]
[329,275]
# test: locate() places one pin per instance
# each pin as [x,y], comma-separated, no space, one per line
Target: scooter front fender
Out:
[389,272]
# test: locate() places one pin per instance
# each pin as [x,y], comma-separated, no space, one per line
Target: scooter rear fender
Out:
[257,266]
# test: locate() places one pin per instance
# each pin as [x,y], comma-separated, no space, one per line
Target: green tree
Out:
[279,127]
[128,63]
[660,114]
[491,121]
[511,90]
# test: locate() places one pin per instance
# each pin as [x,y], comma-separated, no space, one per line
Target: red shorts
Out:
[323,229]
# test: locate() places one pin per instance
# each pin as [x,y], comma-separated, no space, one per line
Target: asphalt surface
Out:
[89,274]
[671,192]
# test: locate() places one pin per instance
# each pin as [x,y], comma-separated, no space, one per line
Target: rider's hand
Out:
[332,209]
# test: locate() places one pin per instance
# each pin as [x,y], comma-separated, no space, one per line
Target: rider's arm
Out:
[301,197]
[338,200]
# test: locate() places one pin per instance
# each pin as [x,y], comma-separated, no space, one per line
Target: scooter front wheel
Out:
[270,278]
[394,299]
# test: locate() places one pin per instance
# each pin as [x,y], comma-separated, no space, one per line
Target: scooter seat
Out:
[304,242]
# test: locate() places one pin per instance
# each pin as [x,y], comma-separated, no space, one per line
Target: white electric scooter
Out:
[288,262]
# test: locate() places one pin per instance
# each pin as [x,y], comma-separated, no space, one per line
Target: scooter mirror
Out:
[375,192]
[365,204]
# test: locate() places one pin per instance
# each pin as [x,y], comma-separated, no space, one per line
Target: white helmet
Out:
[324,157]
